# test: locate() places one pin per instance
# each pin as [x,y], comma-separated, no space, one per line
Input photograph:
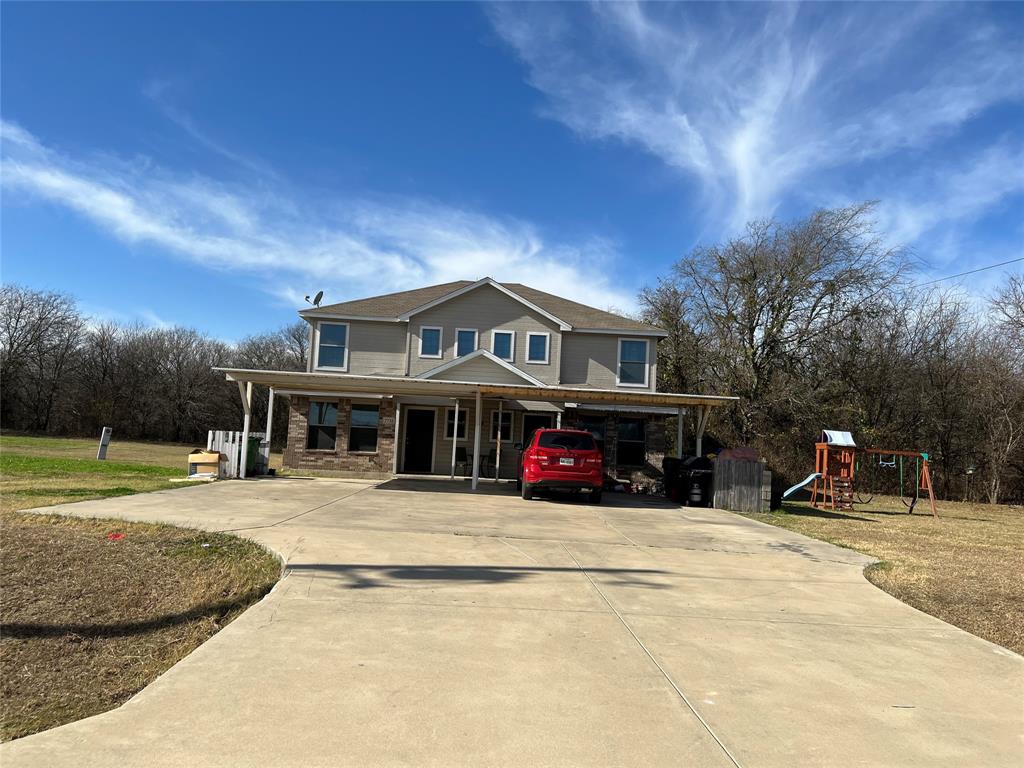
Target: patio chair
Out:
[462,459]
[489,461]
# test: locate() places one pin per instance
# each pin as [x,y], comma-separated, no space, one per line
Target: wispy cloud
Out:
[160,93]
[292,246]
[757,103]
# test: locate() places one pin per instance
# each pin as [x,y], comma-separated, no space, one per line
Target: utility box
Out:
[201,462]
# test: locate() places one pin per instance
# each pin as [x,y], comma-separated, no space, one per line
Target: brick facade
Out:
[339,461]
[654,441]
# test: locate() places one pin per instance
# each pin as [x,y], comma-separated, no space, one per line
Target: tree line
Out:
[818,324]
[61,373]
[814,324]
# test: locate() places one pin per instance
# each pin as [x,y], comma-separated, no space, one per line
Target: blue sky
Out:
[209,164]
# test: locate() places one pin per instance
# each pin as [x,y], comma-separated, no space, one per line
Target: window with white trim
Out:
[633,362]
[332,345]
[449,424]
[506,426]
[537,347]
[430,341]
[503,345]
[465,341]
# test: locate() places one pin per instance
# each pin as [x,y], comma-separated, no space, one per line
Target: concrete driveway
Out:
[420,624]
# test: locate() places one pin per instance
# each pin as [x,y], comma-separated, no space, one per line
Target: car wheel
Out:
[595,496]
[527,491]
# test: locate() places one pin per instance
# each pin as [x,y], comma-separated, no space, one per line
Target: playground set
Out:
[837,459]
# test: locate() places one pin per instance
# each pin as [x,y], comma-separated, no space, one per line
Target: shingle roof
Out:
[575,314]
[393,304]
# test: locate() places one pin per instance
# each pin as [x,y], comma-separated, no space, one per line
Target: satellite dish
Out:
[316,299]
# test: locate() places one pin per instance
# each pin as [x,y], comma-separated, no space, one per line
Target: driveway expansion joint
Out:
[664,672]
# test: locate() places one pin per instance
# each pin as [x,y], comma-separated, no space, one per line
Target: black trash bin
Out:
[688,480]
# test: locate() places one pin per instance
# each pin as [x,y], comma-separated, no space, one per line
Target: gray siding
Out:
[483,370]
[590,360]
[509,455]
[486,309]
[376,348]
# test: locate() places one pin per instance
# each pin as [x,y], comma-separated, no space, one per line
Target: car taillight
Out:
[593,461]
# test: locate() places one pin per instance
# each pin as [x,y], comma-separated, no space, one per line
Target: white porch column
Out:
[455,436]
[270,422]
[558,420]
[497,452]
[477,420]
[398,431]
[679,433]
[703,414]
[246,393]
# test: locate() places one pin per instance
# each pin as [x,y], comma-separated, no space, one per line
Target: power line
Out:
[970,272]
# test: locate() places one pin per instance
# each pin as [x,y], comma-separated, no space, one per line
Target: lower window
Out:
[322,427]
[631,449]
[362,433]
[506,426]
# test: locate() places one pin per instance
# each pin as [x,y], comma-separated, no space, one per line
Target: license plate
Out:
[568,462]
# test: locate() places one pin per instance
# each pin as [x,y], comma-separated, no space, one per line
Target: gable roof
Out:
[477,355]
[400,305]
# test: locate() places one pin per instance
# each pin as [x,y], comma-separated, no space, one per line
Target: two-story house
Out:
[449,378]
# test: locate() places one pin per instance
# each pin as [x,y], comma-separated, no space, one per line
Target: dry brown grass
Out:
[87,622]
[966,568]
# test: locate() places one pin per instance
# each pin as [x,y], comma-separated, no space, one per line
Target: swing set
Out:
[837,461]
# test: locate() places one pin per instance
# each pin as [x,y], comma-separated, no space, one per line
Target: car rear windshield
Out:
[569,440]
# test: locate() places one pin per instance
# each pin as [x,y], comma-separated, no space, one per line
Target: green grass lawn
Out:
[41,471]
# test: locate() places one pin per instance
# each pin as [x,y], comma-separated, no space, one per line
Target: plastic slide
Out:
[801,484]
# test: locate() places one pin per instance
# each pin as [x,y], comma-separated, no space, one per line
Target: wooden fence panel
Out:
[738,485]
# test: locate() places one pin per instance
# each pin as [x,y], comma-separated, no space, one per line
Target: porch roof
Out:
[298,381]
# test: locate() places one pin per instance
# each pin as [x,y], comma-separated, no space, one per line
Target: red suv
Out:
[561,458]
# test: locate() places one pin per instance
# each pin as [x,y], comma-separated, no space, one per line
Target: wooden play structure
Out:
[835,464]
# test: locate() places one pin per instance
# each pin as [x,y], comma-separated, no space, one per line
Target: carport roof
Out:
[299,381]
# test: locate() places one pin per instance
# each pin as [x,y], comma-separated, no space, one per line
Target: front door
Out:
[532,422]
[419,440]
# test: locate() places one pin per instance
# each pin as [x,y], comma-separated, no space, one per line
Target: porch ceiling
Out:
[400,385]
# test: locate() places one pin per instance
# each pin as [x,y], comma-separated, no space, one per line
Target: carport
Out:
[392,388]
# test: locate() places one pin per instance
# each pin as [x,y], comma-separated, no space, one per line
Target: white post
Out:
[398,430]
[477,419]
[270,422]
[679,433]
[703,414]
[558,420]
[497,453]
[247,407]
[455,436]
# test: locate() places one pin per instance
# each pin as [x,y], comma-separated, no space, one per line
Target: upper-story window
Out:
[465,341]
[430,342]
[633,362]
[537,347]
[503,345]
[332,346]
